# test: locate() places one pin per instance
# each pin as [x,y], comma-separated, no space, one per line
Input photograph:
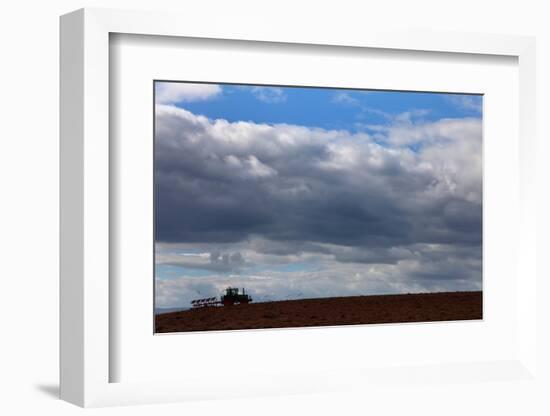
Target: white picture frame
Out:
[86,355]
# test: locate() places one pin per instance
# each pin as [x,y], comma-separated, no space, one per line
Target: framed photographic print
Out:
[304,204]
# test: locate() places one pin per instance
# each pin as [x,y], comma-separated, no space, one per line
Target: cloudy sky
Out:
[307,192]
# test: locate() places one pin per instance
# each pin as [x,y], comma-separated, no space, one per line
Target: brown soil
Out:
[423,307]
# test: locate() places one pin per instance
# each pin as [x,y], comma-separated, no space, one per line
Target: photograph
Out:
[303,206]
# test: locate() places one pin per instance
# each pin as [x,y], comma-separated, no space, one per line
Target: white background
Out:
[29,209]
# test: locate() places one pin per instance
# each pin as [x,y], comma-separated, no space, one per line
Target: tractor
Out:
[232,297]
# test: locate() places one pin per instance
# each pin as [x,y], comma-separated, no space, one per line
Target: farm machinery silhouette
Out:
[231,297]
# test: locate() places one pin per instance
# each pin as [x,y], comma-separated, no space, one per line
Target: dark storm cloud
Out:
[221,182]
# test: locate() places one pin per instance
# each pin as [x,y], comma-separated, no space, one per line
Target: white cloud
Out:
[249,166]
[177,92]
[344,98]
[470,103]
[272,95]
[429,133]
